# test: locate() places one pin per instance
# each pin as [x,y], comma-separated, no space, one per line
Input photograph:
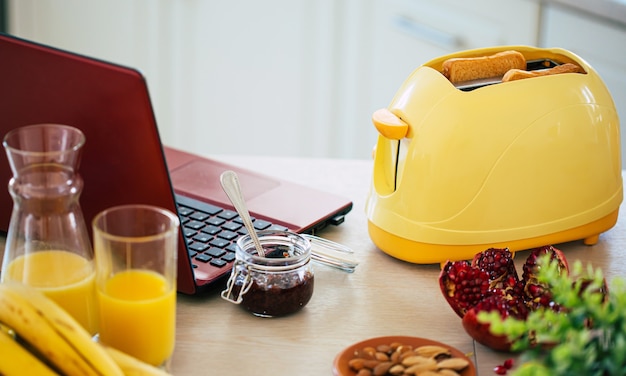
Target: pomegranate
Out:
[490,282]
[507,306]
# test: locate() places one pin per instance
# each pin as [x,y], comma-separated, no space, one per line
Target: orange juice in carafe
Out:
[47,244]
[64,277]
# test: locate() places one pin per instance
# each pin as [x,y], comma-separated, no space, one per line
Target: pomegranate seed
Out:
[500,370]
[508,364]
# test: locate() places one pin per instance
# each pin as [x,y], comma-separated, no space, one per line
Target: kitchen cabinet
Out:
[401,35]
[597,40]
[408,33]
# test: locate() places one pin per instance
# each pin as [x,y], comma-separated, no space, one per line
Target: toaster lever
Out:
[389,125]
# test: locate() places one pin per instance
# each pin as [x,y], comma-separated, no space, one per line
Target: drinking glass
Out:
[136,252]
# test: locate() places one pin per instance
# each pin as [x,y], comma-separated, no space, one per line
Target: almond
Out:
[429,373]
[414,359]
[356,363]
[456,364]
[431,351]
[429,365]
[397,369]
[382,369]
[447,372]
[383,357]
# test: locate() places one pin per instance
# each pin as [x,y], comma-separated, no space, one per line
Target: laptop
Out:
[124,161]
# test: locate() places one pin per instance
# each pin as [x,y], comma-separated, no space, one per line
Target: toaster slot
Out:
[540,64]
[531,65]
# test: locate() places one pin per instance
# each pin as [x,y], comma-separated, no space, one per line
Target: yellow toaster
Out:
[521,164]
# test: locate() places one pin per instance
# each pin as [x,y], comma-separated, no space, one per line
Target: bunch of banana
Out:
[37,337]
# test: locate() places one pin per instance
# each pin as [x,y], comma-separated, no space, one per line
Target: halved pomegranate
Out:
[507,306]
[490,282]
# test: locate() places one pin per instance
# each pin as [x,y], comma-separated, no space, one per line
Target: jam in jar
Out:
[278,284]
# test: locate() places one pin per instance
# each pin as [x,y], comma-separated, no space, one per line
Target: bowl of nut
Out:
[402,355]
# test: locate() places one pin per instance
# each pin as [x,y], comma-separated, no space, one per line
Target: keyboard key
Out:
[189,232]
[217,262]
[231,226]
[197,205]
[229,257]
[215,252]
[198,247]
[203,258]
[195,225]
[277,227]
[228,215]
[199,216]
[211,230]
[240,221]
[184,211]
[215,221]
[202,238]
[211,209]
[228,235]
[219,242]
[260,224]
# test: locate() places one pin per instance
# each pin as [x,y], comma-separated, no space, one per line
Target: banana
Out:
[17,361]
[133,366]
[53,332]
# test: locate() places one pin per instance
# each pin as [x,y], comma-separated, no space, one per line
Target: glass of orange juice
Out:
[136,259]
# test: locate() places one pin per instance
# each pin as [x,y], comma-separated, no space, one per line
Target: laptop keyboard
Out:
[211,233]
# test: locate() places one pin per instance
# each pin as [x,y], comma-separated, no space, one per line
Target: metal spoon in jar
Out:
[322,250]
[230,184]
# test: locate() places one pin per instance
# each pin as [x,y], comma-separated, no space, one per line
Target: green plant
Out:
[586,335]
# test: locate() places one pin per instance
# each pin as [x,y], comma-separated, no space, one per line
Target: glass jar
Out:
[278,284]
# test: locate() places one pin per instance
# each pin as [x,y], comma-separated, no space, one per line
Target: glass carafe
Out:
[47,244]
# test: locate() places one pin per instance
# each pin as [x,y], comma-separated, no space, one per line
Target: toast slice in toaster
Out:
[519,74]
[474,68]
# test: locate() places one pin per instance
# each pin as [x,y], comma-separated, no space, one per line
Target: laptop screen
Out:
[123,160]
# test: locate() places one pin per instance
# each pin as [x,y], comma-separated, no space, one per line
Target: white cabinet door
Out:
[599,42]
[408,33]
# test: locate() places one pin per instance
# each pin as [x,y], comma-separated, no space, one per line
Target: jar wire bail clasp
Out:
[228,294]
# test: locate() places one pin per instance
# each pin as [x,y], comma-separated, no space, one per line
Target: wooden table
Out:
[383,297]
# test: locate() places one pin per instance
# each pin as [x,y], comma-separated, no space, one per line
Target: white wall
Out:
[246,77]
[274,77]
